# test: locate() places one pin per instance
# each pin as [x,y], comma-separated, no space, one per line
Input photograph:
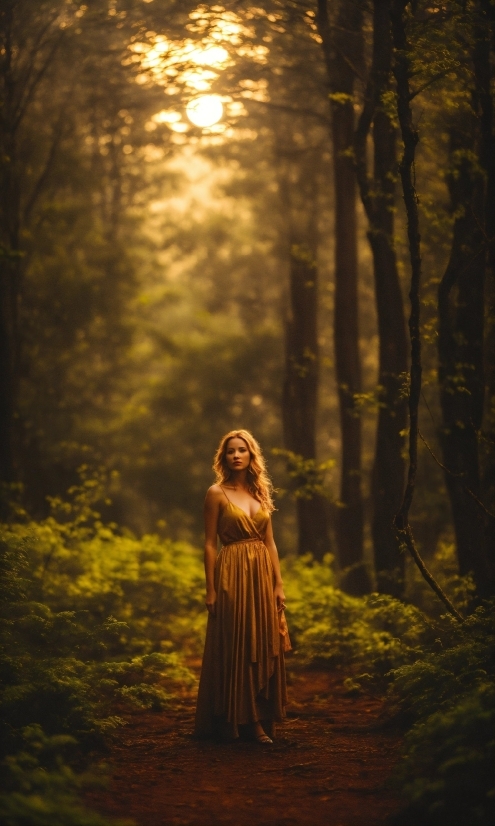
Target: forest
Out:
[278,217]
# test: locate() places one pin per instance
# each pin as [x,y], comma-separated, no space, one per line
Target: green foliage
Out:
[39,786]
[448,770]
[376,632]
[307,476]
[90,619]
[459,661]
[444,567]
[94,619]
[437,673]
[447,773]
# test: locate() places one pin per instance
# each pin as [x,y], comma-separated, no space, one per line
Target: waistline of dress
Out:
[242,541]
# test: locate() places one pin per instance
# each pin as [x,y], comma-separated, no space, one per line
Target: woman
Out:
[243,674]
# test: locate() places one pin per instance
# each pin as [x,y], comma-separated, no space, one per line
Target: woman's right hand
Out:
[211,602]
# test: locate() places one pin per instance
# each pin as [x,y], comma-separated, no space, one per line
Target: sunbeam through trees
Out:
[279,218]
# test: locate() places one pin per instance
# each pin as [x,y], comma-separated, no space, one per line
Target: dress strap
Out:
[227,498]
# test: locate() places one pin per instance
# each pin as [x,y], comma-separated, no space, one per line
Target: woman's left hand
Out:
[279,597]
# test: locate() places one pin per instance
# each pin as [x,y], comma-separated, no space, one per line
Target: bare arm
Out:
[278,588]
[211,514]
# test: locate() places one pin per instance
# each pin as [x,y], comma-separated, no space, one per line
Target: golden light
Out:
[166,116]
[205,110]
[211,56]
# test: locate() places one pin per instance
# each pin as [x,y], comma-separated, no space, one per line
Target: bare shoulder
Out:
[213,494]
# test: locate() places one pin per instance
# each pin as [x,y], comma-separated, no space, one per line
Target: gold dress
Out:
[243,673]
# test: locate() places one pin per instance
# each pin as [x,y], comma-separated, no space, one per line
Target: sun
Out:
[205,110]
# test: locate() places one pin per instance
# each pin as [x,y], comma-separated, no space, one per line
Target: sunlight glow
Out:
[180,126]
[211,56]
[190,67]
[166,116]
[205,110]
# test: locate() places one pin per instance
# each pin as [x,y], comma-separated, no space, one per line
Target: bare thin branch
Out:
[410,140]
[429,82]
[36,81]
[455,475]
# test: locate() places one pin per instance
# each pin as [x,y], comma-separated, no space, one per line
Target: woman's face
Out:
[237,455]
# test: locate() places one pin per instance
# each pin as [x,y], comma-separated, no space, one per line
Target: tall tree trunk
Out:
[9,298]
[342,48]
[22,69]
[460,351]
[378,195]
[410,138]
[484,63]
[9,256]
[302,362]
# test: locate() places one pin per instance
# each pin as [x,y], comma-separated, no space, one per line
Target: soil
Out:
[330,765]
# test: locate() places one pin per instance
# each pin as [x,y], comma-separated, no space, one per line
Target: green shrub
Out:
[331,628]
[438,675]
[450,670]
[40,787]
[89,617]
[92,617]
[448,769]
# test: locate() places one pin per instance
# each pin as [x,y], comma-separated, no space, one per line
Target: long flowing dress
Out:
[243,672]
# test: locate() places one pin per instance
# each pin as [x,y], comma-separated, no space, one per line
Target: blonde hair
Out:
[259,483]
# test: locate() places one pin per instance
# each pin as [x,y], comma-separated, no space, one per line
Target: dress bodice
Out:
[234,524]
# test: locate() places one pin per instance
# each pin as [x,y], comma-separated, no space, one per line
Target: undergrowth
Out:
[94,620]
[437,675]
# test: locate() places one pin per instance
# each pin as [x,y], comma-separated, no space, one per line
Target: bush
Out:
[93,619]
[448,769]
[437,673]
[329,627]
[89,617]
[449,696]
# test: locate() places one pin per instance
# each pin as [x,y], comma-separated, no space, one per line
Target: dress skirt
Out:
[243,673]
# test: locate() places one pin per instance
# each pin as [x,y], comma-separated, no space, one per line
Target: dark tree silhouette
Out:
[410,138]
[378,196]
[299,184]
[342,50]
[461,309]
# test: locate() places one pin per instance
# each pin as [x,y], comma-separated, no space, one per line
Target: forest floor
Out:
[329,766]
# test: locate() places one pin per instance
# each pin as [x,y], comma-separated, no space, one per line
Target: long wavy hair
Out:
[259,483]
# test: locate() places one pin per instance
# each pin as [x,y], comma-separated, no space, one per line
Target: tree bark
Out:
[342,48]
[302,361]
[410,140]
[461,310]
[9,256]
[483,63]
[378,196]
[22,69]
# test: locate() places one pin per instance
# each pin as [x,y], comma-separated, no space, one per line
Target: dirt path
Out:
[329,766]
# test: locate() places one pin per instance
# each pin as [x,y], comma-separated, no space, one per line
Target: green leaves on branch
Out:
[438,675]
[88,616]
[307,475]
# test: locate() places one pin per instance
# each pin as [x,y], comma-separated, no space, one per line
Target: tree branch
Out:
[429,82]
[38,186]
[23,104]
[410,140]
[456,476]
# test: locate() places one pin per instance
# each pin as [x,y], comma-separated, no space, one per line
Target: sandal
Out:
[264,739]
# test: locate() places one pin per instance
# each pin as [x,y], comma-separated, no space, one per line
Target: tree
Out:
[299,179]
[461,309]
[483,62]
[378,196]
[30,36]
[342,49]
[410,136]
[291,105]
[68,169]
